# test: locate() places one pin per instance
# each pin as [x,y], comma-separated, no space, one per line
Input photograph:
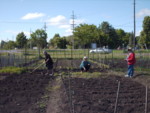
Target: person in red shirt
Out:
[130,61]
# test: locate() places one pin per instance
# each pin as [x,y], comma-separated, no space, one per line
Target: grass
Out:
[53,88]
[86,74]
[13,70]
[140,69]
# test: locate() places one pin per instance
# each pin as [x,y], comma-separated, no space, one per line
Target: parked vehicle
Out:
[100,50]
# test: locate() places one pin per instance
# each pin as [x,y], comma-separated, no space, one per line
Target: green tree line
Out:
[83,35]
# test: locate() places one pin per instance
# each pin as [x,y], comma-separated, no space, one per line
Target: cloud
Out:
[62,22]
[68,32]
[32,16]
[77,21]
[143,12]
[64,26]
[138,33]
[57,21]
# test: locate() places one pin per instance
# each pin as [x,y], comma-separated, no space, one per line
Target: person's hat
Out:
[129,48]
[44,52]
[84,57]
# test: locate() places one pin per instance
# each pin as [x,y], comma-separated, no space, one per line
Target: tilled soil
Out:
[99,95]
[21,93]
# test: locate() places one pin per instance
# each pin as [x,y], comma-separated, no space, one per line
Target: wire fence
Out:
[17,58]
[115,58]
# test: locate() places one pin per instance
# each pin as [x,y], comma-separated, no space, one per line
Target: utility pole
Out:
[73,25]
[134,27]
[45,26]
[30,40]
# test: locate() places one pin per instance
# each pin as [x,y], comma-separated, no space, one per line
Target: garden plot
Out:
[23,93]
[99,95]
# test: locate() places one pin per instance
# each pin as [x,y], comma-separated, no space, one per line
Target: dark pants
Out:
[130,70]
[49,67]
[86,67]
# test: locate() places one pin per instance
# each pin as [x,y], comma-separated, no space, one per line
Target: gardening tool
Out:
[38,67]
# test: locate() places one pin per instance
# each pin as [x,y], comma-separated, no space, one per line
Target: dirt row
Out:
[99,95]
[21,93]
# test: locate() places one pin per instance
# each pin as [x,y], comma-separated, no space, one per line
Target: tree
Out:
[142,39]
[131,40]
[31,43]
[21,40]
[145,34]
[102,38]
[110,35]
[86,34]
[2,44]
[54,41]
[124,37]
[105,27]
[58,42]
[40,38]
[9,45]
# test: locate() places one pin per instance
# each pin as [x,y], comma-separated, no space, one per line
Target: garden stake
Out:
[115,111]
[146,97]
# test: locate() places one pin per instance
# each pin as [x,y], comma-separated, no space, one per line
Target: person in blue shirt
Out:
[85,64]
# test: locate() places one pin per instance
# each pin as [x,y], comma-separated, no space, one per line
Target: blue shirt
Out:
[84,63]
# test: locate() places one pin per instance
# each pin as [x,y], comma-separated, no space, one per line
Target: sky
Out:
[29,15]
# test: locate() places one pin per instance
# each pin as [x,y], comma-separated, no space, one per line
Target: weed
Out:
[42,105]
[45,96]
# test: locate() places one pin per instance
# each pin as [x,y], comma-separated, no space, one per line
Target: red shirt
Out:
[131,58]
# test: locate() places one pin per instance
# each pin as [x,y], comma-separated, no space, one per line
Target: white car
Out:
[101,50]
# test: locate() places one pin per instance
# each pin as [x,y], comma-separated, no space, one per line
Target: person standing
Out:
[130,61]
[85,64]
[49,63]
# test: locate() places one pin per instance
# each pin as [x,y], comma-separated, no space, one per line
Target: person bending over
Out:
[49,63]
[85,64]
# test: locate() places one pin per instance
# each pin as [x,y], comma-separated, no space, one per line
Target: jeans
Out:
[130,70]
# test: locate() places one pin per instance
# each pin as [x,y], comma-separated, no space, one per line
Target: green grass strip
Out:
[12,70]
